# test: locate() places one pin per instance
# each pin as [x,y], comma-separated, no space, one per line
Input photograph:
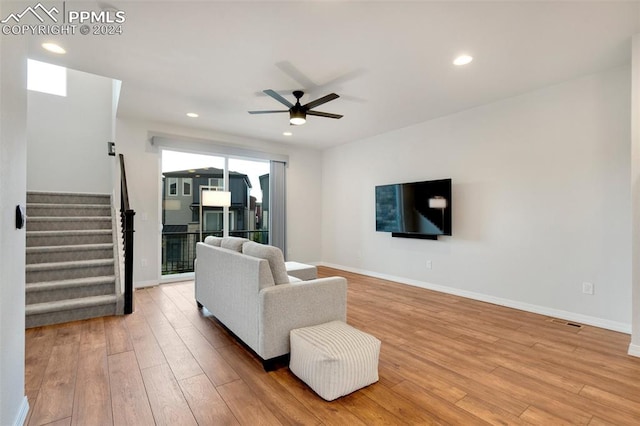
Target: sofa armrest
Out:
[287,306]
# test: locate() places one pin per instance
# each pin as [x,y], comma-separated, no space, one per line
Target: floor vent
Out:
[563,322]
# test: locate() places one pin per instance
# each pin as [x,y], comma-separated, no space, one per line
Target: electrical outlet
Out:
[429,264]
[144,263]
[587,288]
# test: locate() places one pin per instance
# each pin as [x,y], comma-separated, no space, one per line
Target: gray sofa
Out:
[241,292]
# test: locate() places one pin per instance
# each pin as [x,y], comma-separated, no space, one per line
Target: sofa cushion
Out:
[213,241]
[271,254]
[233,243]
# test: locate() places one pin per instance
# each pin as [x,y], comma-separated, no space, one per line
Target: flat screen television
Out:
[414,210]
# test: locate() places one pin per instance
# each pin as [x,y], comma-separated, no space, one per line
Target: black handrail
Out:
[126,221]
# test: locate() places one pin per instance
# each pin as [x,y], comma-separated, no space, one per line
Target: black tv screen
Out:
[414,209]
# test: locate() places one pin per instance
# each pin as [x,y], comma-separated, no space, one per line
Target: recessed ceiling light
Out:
[192,115]
[462,60]
[287,133]
[52,47]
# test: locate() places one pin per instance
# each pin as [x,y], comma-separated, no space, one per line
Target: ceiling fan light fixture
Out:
[297,118]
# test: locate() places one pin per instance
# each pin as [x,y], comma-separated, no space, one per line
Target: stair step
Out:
[60,311]
[51,223]
[40,272]
[67,198]
[64,210]
[70,271]
[51,254]
[66,238]
[40,292]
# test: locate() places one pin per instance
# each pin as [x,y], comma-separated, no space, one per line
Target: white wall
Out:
[13,116]
[541,201]
[143,164]
[67,136]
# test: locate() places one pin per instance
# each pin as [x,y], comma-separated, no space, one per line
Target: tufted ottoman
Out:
[334,359]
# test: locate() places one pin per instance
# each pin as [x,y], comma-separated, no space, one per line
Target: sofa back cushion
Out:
[213,241]
[233,243]
[271,254]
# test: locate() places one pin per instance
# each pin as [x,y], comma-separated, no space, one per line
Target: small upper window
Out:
[217,184]
[186,186]
[172,184]
[46,78]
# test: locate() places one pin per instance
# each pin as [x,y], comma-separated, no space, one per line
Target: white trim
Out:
[143,284]
[536,309]
[634,350]
[22,414]
[174,278]
[210,147]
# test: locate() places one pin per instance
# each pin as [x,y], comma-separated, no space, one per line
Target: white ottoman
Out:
[334,359]
[301,271]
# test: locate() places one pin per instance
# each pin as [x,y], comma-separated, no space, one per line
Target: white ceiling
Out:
[389,61]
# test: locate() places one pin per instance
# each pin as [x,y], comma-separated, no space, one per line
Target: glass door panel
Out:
[249,186]
[183,174]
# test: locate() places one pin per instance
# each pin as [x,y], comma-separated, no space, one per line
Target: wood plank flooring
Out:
[444,360]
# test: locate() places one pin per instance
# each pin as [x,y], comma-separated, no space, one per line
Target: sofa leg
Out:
[275,363]
[199,304]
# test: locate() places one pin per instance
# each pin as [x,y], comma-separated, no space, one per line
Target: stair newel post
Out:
[128,216]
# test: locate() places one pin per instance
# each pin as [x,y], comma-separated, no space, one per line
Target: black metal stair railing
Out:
[126,222]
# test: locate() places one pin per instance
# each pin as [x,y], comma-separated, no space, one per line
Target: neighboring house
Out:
[181,213]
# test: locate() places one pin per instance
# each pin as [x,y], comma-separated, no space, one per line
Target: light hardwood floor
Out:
[444,360]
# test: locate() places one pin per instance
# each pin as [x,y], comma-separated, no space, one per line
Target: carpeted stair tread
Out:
[70,283]
[68,232]
[67,218]
[67,305]
[45,249]
[74,197]
[66,206]
[68,265]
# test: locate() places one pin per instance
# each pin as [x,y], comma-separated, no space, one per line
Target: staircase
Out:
[71,271]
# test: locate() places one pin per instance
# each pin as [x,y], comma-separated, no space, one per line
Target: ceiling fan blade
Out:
[321,101]
[324,114]
[269,111]
[275,95]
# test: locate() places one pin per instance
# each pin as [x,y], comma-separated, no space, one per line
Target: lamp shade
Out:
[216,198]
[438,203]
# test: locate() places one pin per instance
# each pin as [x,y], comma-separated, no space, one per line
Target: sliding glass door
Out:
[184,175]
[185,221]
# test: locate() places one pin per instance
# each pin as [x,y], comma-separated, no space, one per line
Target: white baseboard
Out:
[174,278]
[142,284]
[536,309]
[634,350]
[22,414]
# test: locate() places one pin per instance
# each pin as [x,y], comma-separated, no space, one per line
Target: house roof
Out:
[390,62]
[207,172]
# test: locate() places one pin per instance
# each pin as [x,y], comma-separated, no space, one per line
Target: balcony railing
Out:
[179,248]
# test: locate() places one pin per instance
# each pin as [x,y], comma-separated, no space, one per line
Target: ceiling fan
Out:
[298,113]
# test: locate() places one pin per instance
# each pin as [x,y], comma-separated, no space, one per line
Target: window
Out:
[46,78]
[213,221]
[172,185]
[217,184]
[186,186]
